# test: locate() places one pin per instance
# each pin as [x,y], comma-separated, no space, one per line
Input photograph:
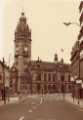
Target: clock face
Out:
[25,49]
[17,49]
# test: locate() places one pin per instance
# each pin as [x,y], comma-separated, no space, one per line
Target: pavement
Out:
[10,101]
[69,98]
[22,97]
[14,99]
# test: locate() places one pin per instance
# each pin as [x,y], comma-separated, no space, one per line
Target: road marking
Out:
[30,111]
[21,118]
[46,119]
[41,100]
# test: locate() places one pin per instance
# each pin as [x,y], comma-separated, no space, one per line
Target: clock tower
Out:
[23,40]
[22,47]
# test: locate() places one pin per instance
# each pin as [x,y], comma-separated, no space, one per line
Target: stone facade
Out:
[49,77]
[75,60]
[80,38]
[77,50]
[4,77]
[22,49]
[36,76]
[77,57]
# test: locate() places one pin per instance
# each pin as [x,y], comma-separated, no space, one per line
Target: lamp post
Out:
[4,92]
[42,94]
[72,81]
[71,23]
[79,82]
[82,89]
[78,78]
[63,90]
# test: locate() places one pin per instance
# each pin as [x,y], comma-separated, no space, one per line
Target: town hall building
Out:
[36,76]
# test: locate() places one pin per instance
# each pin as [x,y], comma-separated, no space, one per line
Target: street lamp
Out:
[71,23]
[4,92]
[78,78]
[79,82]
[82,89]
[72,81]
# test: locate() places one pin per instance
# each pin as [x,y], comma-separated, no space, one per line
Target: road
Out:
[38,109]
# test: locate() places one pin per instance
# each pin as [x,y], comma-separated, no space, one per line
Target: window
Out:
[54,77]
[39,76]
[45,76]
[38,87]
[62,78]
[49,77]
[68,77]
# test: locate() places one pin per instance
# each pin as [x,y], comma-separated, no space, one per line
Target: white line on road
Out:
[45,119]
[30,111]
[21,118]
[41,101]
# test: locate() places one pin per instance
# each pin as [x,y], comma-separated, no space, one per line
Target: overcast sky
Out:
[45,18]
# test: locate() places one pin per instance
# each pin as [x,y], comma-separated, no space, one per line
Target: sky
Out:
[45,18]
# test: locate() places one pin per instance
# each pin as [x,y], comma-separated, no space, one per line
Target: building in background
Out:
[80,38]
[13,80]
[75,60]
[77,57]
[50,77]
[4,78]
[36,76]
